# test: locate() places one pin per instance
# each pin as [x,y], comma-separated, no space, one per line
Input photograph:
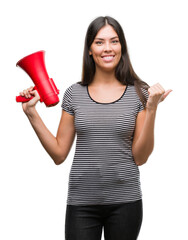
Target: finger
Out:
[159,92]
[151,91]
[24,93]
[27,92]
[160,88]
[28,95]
[21,94]
[35,94]
[30,89]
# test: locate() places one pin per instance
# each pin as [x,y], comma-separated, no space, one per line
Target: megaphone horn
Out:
[34,66]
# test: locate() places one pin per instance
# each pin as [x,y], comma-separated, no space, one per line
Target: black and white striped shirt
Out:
[103,169]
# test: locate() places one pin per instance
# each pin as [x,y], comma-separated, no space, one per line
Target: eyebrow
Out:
[110,38]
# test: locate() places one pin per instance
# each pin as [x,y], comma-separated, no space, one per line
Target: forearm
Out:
[47,139]
[143,147]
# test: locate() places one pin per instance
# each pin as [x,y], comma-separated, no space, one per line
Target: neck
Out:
[103,78]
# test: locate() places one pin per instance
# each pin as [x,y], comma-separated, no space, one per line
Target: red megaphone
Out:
[34,66]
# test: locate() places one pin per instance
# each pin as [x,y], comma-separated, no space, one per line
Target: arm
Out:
[143,141]
[57,147]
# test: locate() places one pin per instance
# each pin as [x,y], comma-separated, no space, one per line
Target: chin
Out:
[109,68]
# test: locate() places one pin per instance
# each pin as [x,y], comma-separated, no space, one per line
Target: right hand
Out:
[27,93]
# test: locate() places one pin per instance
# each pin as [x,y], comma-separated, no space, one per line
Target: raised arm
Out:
[143,141]
[57,147]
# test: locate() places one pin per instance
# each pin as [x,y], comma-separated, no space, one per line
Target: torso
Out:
[103,169]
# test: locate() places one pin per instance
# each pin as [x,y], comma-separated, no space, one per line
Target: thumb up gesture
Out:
[157,94]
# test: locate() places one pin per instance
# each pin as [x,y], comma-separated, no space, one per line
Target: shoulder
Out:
[74,86]
[133,90]
[74,91]
[145,92]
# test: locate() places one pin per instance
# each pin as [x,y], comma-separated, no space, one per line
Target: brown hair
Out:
[124,71]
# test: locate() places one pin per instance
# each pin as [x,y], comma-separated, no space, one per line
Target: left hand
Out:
[157,94]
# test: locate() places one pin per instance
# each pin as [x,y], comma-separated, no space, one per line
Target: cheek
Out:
[97,52]
[119,57]
[96,56]
[118,52]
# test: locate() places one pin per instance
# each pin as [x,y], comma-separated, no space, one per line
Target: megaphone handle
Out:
[22,99]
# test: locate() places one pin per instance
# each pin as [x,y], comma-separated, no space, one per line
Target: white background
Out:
[33,190]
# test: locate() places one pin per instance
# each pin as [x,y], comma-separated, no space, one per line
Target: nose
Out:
[107,47]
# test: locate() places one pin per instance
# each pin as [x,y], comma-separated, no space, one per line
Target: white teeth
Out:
[108,57]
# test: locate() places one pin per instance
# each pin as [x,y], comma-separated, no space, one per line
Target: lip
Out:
[108,58]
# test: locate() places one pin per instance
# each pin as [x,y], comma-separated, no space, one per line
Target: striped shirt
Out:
[103,170]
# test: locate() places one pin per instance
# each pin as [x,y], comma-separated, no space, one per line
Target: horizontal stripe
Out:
[103,170]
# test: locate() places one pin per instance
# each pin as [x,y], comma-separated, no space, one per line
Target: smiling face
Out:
[106,49]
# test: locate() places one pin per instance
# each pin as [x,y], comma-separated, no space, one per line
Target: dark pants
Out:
[120,221]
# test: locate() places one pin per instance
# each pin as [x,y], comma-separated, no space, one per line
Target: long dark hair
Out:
[124,71]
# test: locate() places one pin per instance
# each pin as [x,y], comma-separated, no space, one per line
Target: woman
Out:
[112,112]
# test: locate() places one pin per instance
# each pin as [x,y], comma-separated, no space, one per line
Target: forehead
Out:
[106,32]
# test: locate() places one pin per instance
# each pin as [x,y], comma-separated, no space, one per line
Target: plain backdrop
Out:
[33,190]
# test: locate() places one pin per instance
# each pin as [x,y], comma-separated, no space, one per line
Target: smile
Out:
[108,58]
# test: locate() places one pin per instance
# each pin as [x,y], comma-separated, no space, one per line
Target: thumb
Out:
[166,94]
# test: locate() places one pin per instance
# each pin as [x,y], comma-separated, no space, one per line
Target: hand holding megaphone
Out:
[30,97]
[34,66]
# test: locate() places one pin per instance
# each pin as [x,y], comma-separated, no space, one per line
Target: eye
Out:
[115,41]
[98,42]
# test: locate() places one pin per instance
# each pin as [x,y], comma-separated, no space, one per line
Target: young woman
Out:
[112,112]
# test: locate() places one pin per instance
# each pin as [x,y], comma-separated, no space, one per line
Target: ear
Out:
[90,52]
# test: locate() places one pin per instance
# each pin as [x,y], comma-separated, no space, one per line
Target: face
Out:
[106,49]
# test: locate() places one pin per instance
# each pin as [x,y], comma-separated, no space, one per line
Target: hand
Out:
[157,94]
[28,93]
